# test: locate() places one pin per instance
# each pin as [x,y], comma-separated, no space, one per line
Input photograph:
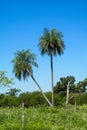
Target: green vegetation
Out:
[35,99]
[44,118]
[77,95]
[70,106]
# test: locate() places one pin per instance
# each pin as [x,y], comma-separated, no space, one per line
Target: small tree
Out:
[61,85]
[65,86]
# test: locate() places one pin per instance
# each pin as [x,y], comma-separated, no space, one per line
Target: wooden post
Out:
[67,95]
[75,103]
[22,115]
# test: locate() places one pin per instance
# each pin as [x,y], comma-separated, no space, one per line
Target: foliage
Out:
[44,118]
[61,85]
[82,86]
[31,99]
[36,99]
[81,99]
[4,80]
[8,101]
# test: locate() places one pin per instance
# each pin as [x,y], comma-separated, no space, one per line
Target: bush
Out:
[82,99]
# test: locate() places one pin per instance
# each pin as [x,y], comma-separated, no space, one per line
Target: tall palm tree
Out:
[51,43]
[22,67]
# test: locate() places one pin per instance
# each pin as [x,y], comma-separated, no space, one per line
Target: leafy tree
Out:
[61,85]
[51,43]
[22,67]
[65,86]
[82,86]
[4,80]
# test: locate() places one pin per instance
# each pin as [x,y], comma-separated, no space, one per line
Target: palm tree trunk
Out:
[40,89]
[52,80]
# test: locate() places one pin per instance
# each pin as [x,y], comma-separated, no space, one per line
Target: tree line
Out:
[77,94]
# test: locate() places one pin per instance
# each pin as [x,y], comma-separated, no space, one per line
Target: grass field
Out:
[44,118]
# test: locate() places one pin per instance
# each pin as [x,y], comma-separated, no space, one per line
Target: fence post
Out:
[22,115]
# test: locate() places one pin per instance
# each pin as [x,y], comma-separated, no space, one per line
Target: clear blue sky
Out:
[22,23]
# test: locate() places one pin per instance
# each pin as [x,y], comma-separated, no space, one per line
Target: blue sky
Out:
[21,25]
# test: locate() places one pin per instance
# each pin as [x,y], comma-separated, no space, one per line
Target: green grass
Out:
[44,118]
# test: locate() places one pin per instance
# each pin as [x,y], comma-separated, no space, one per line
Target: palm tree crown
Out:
[51,42]
[23,62]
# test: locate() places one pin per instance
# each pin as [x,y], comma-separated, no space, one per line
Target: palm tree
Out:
[13,92]
[22,67]
[51,43]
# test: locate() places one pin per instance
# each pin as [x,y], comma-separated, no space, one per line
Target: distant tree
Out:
[22,67]
[13,92]
[4,80]
[51,43]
